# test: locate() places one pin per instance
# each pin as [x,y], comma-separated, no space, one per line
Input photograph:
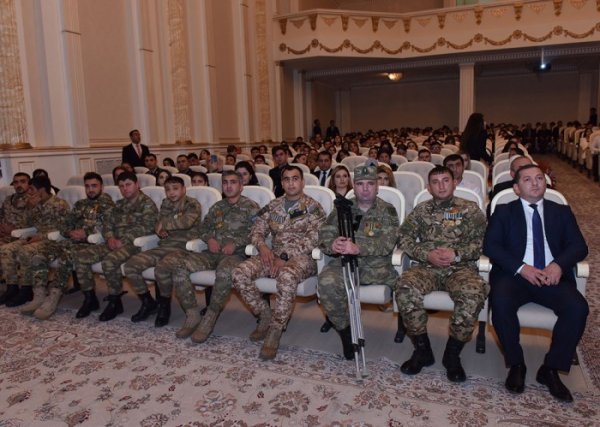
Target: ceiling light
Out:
[394,76]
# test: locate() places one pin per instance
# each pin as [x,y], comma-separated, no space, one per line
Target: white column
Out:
[585,97]
[278,72]
[466,94]
[241,67]
[298,104]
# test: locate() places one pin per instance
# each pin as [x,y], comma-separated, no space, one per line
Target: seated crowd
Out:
[444,237]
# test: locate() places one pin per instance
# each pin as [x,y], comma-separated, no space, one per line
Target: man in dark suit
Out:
[533,260]
[280,158]
[324,168]
[135,152]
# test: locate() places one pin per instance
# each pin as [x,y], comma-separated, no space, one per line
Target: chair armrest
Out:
[317,255]
[484,264]
[196,245]
[23,233]
[251,250]
[582,269]
[146,242]
[55,236]
[96,239]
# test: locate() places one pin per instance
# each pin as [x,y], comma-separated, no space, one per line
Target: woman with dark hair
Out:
[163,175]
[167,161]
[385,176]
[246,170]
[474,137]
[340,181]
[199,179]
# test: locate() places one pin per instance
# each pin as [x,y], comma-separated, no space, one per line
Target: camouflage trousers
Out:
[289,276]
[175,272]
[9,264]
[36,268]
[332,293]
[135,266]
[85,256]
[28,264]
[466,288]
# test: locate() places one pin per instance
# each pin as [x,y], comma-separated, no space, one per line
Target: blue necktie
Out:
[539,258]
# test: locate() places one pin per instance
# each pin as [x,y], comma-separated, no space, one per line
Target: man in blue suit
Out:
[534,244]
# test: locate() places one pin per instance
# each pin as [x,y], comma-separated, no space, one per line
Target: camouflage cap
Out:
[365,172]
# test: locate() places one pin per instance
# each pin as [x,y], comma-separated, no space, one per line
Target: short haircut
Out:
[23,174]
[325,153]
[182,155]
[260,156]
[124,176]
[41,181]
[192,156]
[231,173]
[453,158]
[150,155]
[423,150]
[131,132]
[515,158]
[254,149]
[92,175]
[230,155]
[439,170]
[278,148]
[290,168]
[202,174]
[174,180]
[525,167]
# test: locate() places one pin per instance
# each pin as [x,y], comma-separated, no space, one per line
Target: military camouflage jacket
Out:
[295,231]
[180,220]
[49,215]
[456,223]
[130,219]
[88,215]
[376,237]
[230,223]
[13,210]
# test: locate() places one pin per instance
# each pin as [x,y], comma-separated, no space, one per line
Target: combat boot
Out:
[271,343]
[11,292]
[50,304]
[206,326]
[421,357]
[163,313]
[114,308]
[76,285]
[451,361]
[192,320]
[148,307]
[25,294]
[264,319]
[39,295]
[346,337]
[90,303]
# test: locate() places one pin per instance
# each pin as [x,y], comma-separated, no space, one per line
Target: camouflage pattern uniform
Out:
[23,263]
[376,237]
[178,219]
[295,232]
[226,223]
[128,220]
[456,224]
[13,212]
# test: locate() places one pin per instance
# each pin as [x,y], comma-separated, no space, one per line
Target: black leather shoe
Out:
[147,309]
[113,308]
[515,381]
[90,303]
[550,378]
[24,295]
[11,292]
[325,327]
[451,361]
[422,356]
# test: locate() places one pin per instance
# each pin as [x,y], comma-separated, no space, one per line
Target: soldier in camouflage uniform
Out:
[178,218]
[47,214]
[445,236]
[13,216]
[375,239]
[293,221]
[133,216]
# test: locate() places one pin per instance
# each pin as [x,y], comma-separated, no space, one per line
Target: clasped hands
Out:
[215,248]
[441,257]
[344,246]
[549,276]
[268,258]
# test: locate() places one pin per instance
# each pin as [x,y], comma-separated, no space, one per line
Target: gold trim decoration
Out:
[498,12]
[406,22]
[578,4]
[423,22]
[282,47]
[537,8]
[478,11]
[441,20]
[359,21]
[298,22]
[558,4]
[313,21]
[329,20]
[345,22]
[392,23]
[518,6]
[283,25]
[375,23]
[460,17]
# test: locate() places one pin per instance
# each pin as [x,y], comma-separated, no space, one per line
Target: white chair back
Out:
[499,167]
[437,159]
[113,191]
[412,155]
[305,169]
[199,169]
[409,184]
[6,191]
[72,194]
[502,177]
[501,156]
[310,179]
[260,195]
[477,180]
[157,194]
[463,193]
[140,169]
[187,180]
[421,168]
[107,179]
[75,180]
[146,180]
[450,147]
[263,169]
[323,195]
[398,159]
[228,167]
[265,180]
[446,152]
[508,195]
[214,180]
[480,168]
[354,161]
[171,169]
[243,157]
[207,197]
[391,195]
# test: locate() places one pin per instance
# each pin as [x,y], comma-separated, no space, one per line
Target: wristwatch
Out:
[456,257]
[284,256]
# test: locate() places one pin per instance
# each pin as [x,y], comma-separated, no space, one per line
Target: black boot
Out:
[114,308]
[346,336]
[148,308]
[11,292]
[90,303]
[421,357]
[25,295]
[164,312]
[451,361]
[76,285]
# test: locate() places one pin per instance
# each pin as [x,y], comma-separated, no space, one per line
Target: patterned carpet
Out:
[60,372]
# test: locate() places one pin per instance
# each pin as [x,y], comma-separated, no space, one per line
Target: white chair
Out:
[260,195]
[508,195]
[302,166]
[310,179]
[75,180]
[187,180]
[421,168]
[412,155]
[264,180]
[480,168]
[501,156]
[228,167]
[437,159]
[107,179]
[463,193]
[146,180]
[354,161]
[410,184]
[199,169]
[263,169]
[398,159]
[476,179]
[451,148]
[71,194]
[140,169]
[499,167]
[6,191]
[157,194]
[446,152]
[113,191]
[243,157]
[501,177]
[214,180]
[171,169]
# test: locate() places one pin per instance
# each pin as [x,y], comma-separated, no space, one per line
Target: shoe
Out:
[25,295]
[48,308]
[39,295]
[147,309]
[76,285]
[163,312]
[326,326]
[451,361]
[113,309]
[264,319]
[271,344]
[515,381]
[192,320]
[347,346]
[90,303]
[421,357]
[550,378]
[205,326]
[11,292]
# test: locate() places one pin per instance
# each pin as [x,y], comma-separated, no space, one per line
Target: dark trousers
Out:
[571,308]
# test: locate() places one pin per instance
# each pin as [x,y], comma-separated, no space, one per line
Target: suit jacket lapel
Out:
[520,226]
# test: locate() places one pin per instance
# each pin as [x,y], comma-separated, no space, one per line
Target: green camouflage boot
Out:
[50,304]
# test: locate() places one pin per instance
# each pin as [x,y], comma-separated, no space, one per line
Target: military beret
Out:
[365,172]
